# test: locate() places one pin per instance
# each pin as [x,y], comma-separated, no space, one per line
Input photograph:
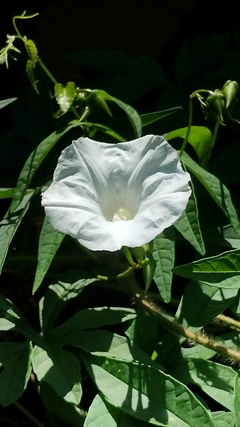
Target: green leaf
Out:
[60,369]
[31,50]
[10,224]
[164,255]
[223,236]
[30,72]
[102,414]
[67,412]
[33,162]
[6,193]
[56,298]
[49,242]
[15,370]
[11,317]
[237,400]
[200,138]
[147,393]
[216,380]
[149,118]
[201,303]
[131,113]
[94,318]
[224,419]
[104,343]
[65,95]
[216,189]
[5,102]
[104,129]
[222,270]
[188,224]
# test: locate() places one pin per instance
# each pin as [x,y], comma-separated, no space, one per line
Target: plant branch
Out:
[28,414]
[173,326]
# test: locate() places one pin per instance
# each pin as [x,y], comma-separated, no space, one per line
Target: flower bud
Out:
[230,90]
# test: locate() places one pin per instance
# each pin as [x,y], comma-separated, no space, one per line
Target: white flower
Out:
[113,195]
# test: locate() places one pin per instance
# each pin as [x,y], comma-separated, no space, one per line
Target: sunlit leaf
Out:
[237,400]
[200,138]
[65,95]
[224,419]
[60,369]
[147,393]
[221,386]
[5,102]
[221,270]
[102,413]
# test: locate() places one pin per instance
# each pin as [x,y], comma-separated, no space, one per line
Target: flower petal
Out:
[93,181]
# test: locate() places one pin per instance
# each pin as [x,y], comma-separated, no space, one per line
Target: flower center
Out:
[122,215]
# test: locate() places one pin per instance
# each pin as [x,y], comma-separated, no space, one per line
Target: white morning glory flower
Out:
[113,195]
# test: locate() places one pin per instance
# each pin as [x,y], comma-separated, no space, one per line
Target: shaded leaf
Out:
[216,189]
[56,298]
[11,317]
[188,224]
[164,255]
[32,164]
[201,303]
[131,113]
[94,318]
[10,224]
[67,412]
[15,370]
[149,118]
[49,242]
[30,73]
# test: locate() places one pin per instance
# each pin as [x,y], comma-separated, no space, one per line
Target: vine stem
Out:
[186,332]
[189,126]
[28,414]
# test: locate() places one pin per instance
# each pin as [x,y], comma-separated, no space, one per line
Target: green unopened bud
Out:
[216,103]
[230,90]
[210,111]
[148,269]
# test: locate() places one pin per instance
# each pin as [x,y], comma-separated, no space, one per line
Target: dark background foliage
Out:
[151,54]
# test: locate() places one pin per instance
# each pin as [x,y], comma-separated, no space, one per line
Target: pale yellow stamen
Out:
[122,215]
